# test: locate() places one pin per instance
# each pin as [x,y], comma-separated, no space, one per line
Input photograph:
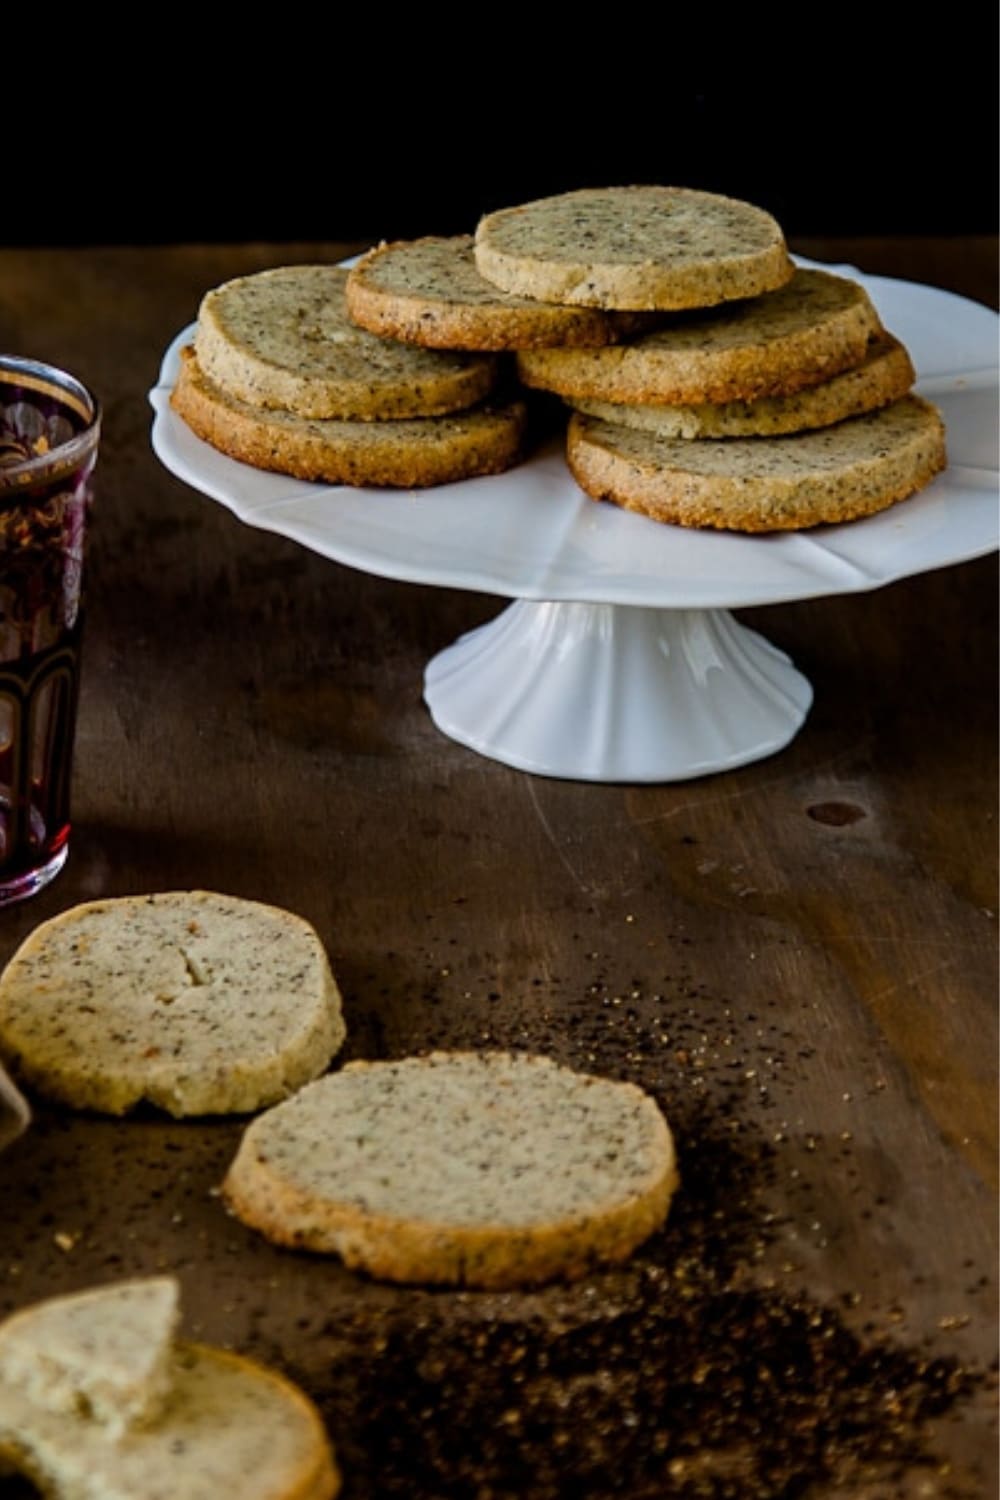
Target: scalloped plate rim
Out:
[964,498]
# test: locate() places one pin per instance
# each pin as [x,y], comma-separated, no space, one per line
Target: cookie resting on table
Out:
[191,1001]
[479,1169]
[193,1423]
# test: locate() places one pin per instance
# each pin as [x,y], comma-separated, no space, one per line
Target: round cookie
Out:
[98,1400]
[811,329]
[195,1002]
[409,453]
[284,339]
[636,247]
[230,1426]
[480,1169]
[835,474]
[429,292]
[884,375]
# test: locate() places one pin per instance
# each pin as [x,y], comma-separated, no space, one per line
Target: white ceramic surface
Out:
[598,692]
[532,534]
[15,1116]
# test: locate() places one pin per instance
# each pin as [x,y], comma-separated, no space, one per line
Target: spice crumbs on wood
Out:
[705,1368]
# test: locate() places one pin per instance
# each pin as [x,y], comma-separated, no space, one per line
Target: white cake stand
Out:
[619,659]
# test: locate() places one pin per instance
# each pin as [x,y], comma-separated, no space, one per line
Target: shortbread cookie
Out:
[633,247]
[228,1427]
[102,1355]
[429,292]
[805,333]
[284,339]
[192,1001]
[884,375]
[414,453]
[490,1169]
[231,1427]
[834,474]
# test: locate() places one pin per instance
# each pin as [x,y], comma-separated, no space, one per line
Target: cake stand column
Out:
[608,692]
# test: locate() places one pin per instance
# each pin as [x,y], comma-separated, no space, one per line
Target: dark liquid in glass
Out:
[42,537]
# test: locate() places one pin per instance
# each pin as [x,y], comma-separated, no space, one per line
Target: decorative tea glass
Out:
[49,434]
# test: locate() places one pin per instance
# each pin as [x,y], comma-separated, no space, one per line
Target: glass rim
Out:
[37,375]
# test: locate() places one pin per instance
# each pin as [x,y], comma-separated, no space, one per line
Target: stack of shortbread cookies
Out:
[708,380]
[280,377]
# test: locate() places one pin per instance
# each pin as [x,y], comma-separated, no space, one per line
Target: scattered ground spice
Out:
[698,1371]
[717,1394]
[674,1376]
[707,1367]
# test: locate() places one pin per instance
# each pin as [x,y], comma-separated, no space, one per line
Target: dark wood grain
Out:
[797,958]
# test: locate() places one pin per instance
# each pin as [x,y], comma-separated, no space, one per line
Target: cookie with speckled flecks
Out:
[634,247]
[410,453]
[221,1425]
[193,1001]
[430,292]
[834,474]
[283,339]
[484,1169]
[799,336]
[104,1351]
[884,375]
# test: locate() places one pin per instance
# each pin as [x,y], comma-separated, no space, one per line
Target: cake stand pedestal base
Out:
[618,693]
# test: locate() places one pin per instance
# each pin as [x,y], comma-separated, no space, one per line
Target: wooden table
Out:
[797,958]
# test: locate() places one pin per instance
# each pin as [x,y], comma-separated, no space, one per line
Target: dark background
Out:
[361,126]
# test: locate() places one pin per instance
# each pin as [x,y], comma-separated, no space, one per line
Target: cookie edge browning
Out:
[265,440]
[262,382]
[639,374]
[852,393]
[434,323]
[489,1257]
[650,286]
[107,1091]
[678,497]
[318,1476]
